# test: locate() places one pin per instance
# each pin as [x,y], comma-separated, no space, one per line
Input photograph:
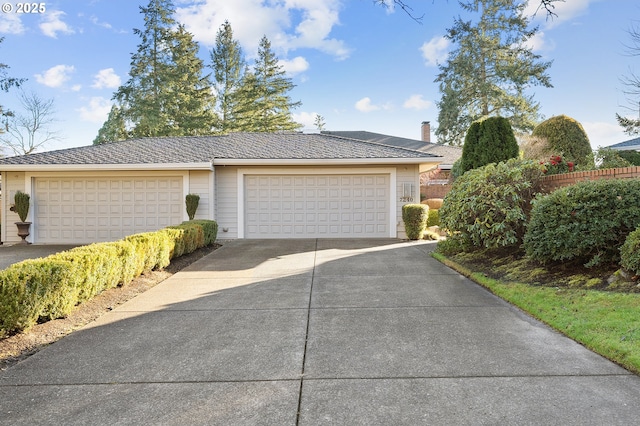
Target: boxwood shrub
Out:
[42,289]
[415,218]
[587,222]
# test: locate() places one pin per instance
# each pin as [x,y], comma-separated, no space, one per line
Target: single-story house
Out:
[255,185]
[630,145]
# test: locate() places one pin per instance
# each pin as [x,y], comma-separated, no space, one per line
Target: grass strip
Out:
[608,323]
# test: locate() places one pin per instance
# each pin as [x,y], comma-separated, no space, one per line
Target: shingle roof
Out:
[200,149]
[630,144]
[449,154]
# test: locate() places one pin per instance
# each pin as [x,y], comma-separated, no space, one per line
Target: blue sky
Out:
[360,66]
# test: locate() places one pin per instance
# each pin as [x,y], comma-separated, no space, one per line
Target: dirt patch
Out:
[14,349]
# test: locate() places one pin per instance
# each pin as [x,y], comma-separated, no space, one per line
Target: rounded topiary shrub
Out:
[566,136]
[586,222]
[488,207]
[630,253]
[415,218]
[488,141]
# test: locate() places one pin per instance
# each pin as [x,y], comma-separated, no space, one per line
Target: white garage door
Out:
[83,210]
[316,206]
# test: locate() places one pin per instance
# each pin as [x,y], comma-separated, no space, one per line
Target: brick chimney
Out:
[426,131]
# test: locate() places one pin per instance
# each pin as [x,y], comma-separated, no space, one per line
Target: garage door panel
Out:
[316,206]
[82,210]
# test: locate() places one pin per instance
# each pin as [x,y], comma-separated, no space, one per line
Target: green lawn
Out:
[606,322]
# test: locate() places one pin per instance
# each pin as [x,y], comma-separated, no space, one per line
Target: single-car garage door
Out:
[83,210]
[317,206]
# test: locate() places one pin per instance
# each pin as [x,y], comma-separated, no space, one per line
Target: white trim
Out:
[320,161]
[34,168]
[391,171]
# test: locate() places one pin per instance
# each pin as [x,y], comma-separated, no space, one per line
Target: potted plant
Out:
[21,206]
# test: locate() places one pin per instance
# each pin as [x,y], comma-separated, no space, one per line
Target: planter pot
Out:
[23,231]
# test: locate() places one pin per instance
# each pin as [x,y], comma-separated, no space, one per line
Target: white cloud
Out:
[307,119]
[96,111]
[416,102]
[365,105]
[106,78]
[10,23]
[435,51]
[295,65]
[288,24]
[55,76]
[52,24]
[604,134]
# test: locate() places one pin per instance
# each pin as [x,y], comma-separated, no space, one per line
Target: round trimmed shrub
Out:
[488,141]
[415,218]
[586,222]
[488,207]
[630,253]
[566,136]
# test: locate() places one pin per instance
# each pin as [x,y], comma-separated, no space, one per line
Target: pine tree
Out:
[489,71]
[228,66]
[265,105]
[114,129]
[166,94]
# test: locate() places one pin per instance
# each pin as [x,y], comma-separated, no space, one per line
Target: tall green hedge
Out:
[488,141]
[42,289]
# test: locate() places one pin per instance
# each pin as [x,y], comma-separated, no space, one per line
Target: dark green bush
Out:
[630,253]
[587,222]
[192,201]
[565,136]
[21,203]
[210,228]
[489,206]
[488,141]
[632,157]
[609,158]
[415,217]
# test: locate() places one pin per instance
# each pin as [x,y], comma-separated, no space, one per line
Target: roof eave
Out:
[320,161]
[104,167]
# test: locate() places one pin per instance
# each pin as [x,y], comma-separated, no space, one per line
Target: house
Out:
[255,185]
[630,145]
[434,181]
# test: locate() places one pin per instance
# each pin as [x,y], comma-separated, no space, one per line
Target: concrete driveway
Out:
[10,254]
[315,332]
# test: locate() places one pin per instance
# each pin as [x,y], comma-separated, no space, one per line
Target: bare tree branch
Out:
[29,130]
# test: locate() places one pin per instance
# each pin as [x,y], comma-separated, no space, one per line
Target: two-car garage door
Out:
[317,206]
[83,210]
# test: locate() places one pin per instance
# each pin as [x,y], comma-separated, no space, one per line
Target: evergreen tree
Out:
[265,105]
[488,141]
[7,83]
[489,70]
[166,94]
[228,66]
[114,129]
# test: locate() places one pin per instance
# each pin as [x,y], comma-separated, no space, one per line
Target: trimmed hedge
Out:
[586,222]
[415,218]
[42,289]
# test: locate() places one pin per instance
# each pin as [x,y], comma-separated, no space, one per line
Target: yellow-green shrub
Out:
[49,288]
[415,220]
